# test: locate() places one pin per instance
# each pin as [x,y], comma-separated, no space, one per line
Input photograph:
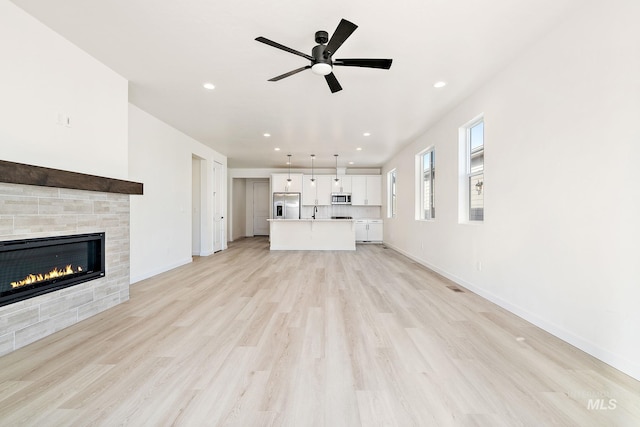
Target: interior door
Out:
[218,218]
[260,208]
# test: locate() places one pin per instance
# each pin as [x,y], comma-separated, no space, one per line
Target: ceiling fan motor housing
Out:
[321,64]
[322,37]
[319,56]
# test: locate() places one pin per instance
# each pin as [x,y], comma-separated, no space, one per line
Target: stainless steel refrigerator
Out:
[286,205]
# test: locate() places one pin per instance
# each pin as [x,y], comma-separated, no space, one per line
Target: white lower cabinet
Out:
[375,230]
[369,230]
[361,230]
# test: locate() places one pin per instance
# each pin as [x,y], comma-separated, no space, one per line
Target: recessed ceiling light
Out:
[359,149]
[277,149]
[266,135]
[209,86]
[366,134]
[350,163]
[439,84]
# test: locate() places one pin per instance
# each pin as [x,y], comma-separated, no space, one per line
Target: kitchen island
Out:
[312,234]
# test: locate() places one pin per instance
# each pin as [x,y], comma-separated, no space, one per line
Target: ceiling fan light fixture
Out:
[322,54]
[321,68]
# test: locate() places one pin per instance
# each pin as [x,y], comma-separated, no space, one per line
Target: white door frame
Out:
[218,208]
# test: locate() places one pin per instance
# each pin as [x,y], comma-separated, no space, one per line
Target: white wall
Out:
[560,242]
[161,219]
[43,75]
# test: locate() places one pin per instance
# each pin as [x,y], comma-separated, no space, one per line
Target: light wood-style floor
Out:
[250,337]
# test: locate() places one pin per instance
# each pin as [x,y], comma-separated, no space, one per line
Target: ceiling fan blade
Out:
[344,30]
[290,73]
[282,47]
[364,62]
[333,83]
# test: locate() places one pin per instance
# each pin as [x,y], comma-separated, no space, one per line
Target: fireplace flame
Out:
[55,273]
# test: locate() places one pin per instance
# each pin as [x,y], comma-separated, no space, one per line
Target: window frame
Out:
[420,185]
[392,199]
[467,175]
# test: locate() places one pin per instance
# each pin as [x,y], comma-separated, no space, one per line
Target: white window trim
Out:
[419,184]
[464,167]
[390,212]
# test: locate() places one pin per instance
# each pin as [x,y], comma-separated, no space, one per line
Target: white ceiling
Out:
[167,49]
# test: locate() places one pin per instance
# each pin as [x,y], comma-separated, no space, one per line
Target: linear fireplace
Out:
[38,266]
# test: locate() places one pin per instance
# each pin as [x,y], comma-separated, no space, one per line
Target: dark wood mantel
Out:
[18,173]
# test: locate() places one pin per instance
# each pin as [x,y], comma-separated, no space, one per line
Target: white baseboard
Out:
[155,272]
[620,363]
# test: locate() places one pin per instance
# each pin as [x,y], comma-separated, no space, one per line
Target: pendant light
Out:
[289,162]
[313,178]
[337,181]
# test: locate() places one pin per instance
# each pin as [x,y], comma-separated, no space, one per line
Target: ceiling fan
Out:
[321,57]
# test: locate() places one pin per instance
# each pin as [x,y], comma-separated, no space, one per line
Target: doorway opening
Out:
[198,179]
[260,208]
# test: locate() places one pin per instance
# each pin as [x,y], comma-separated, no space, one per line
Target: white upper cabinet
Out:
[323,187]
[309,194]
[344,185]
[318,193]
[374,190]
[366,190]
[279,183]
[358,190]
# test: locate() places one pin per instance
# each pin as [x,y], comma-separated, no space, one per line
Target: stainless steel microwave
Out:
[340,198]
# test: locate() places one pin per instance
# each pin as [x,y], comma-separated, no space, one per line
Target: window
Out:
[425,162]
[474,176]
[392,206]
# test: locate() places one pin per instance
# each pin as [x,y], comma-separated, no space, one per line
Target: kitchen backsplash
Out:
[356,212]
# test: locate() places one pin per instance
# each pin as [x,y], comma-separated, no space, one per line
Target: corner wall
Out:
[560,239]
[44,76]
[161,220]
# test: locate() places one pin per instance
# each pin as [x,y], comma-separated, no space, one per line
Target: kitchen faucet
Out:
[315,210]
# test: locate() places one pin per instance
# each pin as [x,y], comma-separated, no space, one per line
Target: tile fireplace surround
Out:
[42,202]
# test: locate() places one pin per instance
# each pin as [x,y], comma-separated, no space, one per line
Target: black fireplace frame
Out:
[30,291]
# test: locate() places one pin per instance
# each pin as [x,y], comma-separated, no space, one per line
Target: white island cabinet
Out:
[312,235]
